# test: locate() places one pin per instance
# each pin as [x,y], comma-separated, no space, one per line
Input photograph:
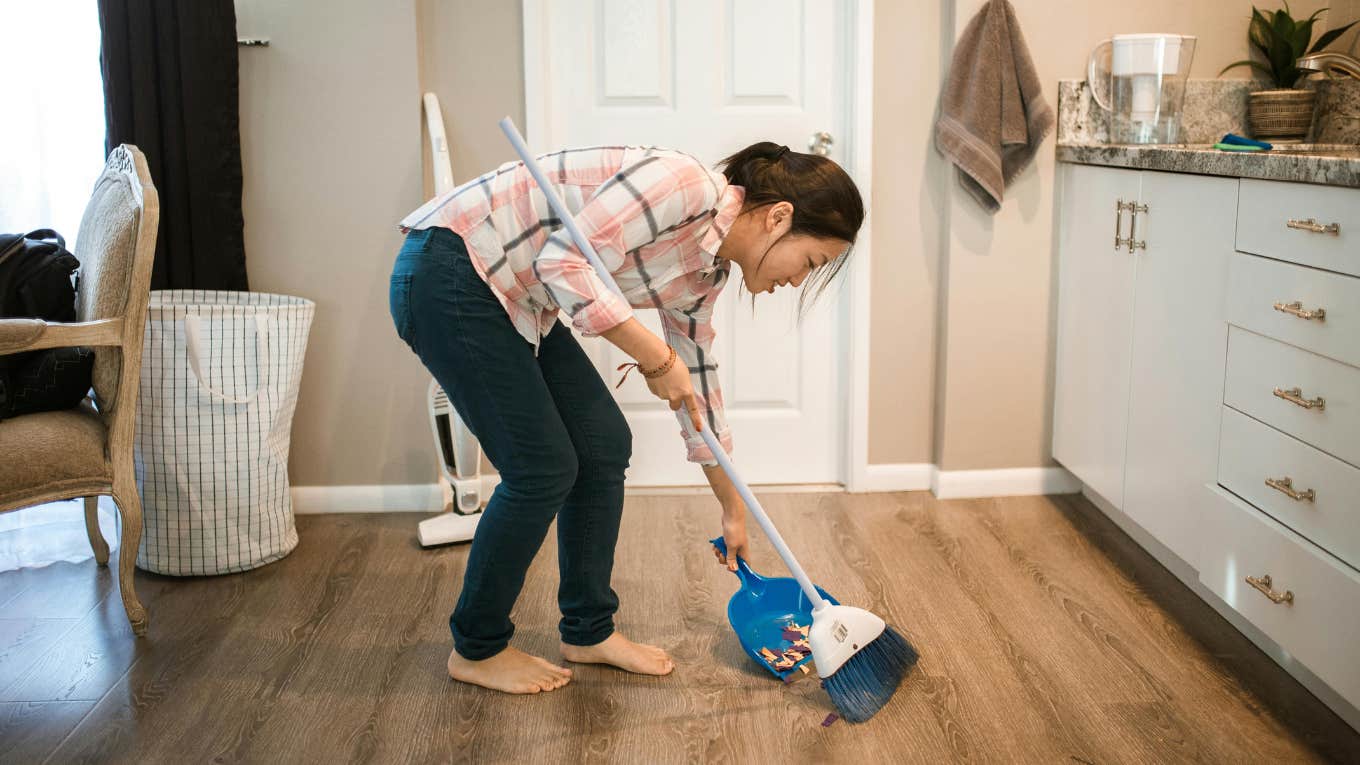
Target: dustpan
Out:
[764,608]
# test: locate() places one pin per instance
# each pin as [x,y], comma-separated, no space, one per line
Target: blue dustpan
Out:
[763,608]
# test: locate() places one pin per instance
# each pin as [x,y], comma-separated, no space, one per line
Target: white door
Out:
[1095,327]
[709,77]
[1180,339]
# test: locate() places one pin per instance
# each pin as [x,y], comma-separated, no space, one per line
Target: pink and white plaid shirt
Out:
[656,217]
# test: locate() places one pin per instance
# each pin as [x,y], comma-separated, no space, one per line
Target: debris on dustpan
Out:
[792,653]
[831,718]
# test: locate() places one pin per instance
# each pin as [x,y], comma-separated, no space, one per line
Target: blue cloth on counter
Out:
[1233,139]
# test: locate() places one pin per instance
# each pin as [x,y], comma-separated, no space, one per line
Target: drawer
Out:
[1251,452]
[1257,285]
[1266,208]
[1321,626]
[1259,366]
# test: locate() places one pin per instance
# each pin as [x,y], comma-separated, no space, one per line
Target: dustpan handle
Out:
[720,454]
[749,578]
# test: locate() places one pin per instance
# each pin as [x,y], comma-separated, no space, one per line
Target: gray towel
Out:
[992,113]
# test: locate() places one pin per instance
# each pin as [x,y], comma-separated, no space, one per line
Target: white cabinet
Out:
[1095,310]
[1141,340]
[1179,342]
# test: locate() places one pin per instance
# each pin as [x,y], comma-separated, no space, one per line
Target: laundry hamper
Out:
[220,374]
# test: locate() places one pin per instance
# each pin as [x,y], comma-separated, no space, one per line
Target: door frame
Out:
[542,123]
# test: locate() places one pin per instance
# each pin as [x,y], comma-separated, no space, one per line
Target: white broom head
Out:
[839,632]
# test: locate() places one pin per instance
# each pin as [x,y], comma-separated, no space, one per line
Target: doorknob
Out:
[820,143]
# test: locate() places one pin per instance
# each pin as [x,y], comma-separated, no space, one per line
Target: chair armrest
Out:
[17,335]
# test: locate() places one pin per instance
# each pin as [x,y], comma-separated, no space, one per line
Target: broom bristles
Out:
[866,681]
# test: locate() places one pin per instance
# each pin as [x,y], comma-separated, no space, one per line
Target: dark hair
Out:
[825,201]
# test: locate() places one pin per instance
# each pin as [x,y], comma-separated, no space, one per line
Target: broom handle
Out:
[563,214]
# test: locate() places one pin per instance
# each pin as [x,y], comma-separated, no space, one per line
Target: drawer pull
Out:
[1295,396]
[1263,584]
[1309,224]
[1296,309]
[1286,487]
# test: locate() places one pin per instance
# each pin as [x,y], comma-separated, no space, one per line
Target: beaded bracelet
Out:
[648,373]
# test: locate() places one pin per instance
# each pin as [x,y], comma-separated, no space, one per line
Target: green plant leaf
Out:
[1260,33]
[1248,62]
[1283,25]
[1281,57]
[1330,36]
[1303,34]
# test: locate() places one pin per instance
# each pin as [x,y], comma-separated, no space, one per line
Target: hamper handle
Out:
[193,334]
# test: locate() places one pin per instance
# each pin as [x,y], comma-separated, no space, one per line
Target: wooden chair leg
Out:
[97,543]
[130,509]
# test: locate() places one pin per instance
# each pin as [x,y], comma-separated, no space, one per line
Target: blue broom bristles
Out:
[866,681]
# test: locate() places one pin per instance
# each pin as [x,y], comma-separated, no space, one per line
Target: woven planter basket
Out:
[1282,114]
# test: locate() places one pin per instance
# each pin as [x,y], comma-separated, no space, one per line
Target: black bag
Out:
[35,282]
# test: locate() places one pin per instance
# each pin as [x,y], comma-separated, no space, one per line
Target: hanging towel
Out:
[992,113]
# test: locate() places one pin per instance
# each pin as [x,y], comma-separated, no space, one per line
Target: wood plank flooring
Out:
[1046,636]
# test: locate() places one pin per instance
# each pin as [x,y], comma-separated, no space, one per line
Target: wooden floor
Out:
[1046,636]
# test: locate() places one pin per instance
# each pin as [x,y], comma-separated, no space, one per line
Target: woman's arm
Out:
[627,211]
[725,491]
[638,342]
[650,352]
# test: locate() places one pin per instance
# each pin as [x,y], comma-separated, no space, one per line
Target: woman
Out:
[475,293]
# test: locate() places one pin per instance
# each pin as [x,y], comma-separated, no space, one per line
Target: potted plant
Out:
[1284,112]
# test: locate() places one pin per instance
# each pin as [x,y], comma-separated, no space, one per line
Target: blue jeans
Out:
[549,425]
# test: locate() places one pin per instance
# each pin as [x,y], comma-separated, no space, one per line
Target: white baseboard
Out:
[905,476]
[917,476]
[1010,482]
[381,498]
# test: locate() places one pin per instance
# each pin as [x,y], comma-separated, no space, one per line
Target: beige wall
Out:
[329,132]
[909,214]
[333,153]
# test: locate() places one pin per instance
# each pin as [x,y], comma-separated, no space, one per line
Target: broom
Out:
[860,659]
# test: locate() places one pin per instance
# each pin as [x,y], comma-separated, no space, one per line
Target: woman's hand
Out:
[734,535]
[677,389]
[650,352]
[734,517]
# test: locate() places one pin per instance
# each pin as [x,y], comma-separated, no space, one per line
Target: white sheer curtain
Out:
[52,131]
[51,151]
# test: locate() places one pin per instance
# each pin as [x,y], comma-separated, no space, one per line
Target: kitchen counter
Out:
[1331,165]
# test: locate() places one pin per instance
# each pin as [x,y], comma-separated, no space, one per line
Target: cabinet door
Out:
[1179,346]
[1095,309]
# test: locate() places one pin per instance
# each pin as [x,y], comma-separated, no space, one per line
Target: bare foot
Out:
[623,653]
[511,671]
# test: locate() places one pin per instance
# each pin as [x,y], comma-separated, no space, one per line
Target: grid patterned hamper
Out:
[220,375]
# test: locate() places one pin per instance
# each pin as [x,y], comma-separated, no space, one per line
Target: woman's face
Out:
[770,257]
[790,260]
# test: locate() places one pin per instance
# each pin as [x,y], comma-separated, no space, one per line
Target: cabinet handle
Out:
[1133,221]
[1296,308]
[1295,396]
[1263,584]
[1308,224]
[1118,222]
[1286,487]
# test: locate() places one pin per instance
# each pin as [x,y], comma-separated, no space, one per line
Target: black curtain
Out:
[171,87]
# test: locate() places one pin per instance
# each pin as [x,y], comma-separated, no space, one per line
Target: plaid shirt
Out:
[656,218]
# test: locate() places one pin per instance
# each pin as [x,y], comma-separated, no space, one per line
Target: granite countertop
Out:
[1334,165]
